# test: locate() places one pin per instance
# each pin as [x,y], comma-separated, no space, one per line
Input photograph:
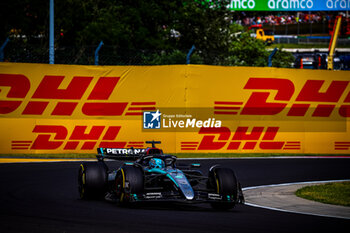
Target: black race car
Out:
[151,175]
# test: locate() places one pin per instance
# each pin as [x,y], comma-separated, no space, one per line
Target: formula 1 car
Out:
[154,176]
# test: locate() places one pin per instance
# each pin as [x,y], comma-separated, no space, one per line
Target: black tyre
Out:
[92,180]
[129,181]
[224,182]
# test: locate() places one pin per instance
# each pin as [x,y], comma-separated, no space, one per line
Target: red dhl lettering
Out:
[257,103]
[49,89]
[241,138]
[310,93]
[19,87]
[52,137]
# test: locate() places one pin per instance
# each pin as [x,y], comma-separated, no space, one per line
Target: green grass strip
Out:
[179,155]
[331,193]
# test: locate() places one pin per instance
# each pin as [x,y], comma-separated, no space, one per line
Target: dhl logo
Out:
[52,137]
[222,138]
[313,92]
[88,138]
[68,98]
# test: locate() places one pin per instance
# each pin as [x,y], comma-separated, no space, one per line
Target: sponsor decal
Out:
[122,151]
[93,97]
[214,196]
[242,4]
[338,4]
[152,195]
[289,5]
[243,138]
[326,97]
[52,137]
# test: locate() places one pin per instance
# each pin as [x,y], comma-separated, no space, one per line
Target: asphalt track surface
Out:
[43,197]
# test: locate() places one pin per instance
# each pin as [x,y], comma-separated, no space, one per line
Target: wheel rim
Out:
[120,184]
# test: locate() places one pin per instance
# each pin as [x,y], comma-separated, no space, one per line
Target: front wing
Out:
[171,196]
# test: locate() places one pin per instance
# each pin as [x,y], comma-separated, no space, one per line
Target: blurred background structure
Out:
[159,33]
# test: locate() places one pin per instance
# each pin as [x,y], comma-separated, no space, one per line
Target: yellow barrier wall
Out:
[75,109]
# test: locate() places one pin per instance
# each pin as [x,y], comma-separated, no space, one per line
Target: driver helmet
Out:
[156,163]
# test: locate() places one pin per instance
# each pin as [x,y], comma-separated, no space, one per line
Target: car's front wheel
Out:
[129,181]
[224,182]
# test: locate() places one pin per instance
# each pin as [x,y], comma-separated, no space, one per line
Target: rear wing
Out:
[119,153]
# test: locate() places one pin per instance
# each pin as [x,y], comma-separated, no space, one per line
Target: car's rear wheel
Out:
[92,180]
[224,182]
[129,181]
